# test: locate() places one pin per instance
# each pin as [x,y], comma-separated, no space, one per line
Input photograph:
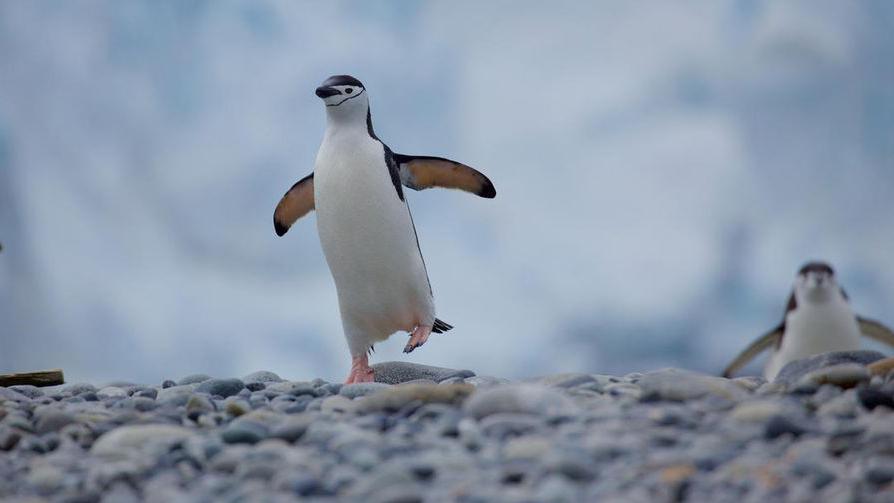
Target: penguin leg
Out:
[360,370]
[417,338]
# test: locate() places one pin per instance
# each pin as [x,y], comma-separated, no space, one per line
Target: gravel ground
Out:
[823,431]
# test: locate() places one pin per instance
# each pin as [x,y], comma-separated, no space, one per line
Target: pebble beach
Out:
[822,431]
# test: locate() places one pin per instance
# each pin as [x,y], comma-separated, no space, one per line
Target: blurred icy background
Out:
[662,171]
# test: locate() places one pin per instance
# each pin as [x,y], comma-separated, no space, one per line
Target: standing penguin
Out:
[818,319]
[365,226]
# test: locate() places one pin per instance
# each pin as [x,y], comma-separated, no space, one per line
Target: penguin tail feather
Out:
[440,327]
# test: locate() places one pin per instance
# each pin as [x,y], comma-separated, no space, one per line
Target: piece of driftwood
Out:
[42,378]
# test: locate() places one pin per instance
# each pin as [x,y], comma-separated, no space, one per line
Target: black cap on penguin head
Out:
[341,80]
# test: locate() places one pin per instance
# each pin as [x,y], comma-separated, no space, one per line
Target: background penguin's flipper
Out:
[875,330]
[420,172]
[771,338]
[297,202]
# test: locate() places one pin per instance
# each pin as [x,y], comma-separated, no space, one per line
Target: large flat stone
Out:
[792,372]
[400,372]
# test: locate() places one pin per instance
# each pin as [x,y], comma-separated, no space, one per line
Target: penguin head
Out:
[344,96]
[816,283]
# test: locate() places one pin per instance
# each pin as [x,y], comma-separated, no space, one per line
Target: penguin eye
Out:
[349,90]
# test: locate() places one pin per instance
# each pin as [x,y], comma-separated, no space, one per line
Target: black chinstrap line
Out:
[346,99]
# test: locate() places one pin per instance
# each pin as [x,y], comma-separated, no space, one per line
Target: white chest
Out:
[350,176]
[367,235]
[813,329]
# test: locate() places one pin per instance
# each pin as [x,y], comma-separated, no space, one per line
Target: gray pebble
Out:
[198,405]
[52,420]
[28,390]
[566,380]
[361,389]
[221,387]
[781,425]
[793,371]
[291,388]
[193,379]
[175,395]
[244,432]
[262,376]
[400,372]
[573,463]
[518,398]
[78,388]
[12,395]
[844,375]
[681,385]
[294,427]
[623,390]
[507,424]
[151,393]
[485,381]
[338,404]
[254,386]
[111,392]
[142,404]
[9,437]
[880,472]
[872,397]
[124,440]
[46,479]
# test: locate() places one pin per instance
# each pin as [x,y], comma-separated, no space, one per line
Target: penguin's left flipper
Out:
[875,330]
[297,202]
[420,172]
[764,342]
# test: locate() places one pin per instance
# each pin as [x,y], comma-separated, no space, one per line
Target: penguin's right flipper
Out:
[420,172]
[771,338]
[297,202]
[875,330]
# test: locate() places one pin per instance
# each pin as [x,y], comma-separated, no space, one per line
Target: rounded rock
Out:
[193,379]
[757,411]
[871,397]
[262,376]
[793,371]
[781,425]
[53,420]
[338,404]
[121,441]
[198,405]
[111,392]
[175,395]
[244,432]
[361,389]
[518,398]
[845,375]
[221,387]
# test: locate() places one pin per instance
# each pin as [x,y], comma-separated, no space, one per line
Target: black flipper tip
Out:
[487,190]
[279,228]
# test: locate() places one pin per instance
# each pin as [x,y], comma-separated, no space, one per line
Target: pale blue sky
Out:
[662,170]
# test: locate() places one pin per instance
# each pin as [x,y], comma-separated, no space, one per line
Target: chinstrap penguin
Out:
[365,226]
[818,319]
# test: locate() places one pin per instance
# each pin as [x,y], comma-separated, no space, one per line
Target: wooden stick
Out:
[42,378]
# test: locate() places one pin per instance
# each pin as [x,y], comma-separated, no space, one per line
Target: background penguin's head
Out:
[344,96]
[816,283]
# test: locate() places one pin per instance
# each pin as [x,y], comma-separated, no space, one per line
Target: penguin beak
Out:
[326,91]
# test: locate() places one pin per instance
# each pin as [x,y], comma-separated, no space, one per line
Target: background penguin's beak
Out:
[326,91]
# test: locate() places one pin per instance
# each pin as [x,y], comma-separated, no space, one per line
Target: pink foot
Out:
[417,338]
[360,370]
